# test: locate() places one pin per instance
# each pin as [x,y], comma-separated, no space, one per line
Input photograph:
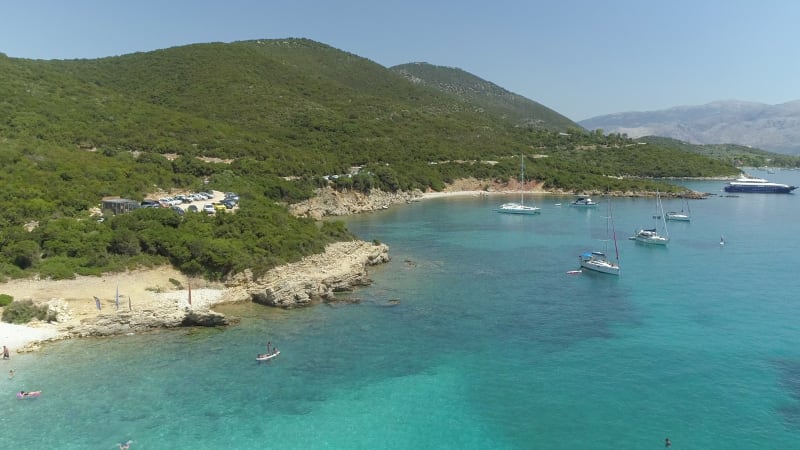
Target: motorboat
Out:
[758,185]
[584,202]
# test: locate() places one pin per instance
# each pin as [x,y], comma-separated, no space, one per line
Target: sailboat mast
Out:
[663,217]
[613,231]
[521,179]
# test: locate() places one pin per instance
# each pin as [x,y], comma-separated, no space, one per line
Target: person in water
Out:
[6,354]
[667,443]
[11,373]
[124,445]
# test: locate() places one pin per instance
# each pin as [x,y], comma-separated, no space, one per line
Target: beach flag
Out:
[190,293]
[130,307]
[118,297]
[97,303]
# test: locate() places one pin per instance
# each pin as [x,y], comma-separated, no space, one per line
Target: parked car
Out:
[192,208]
[208,208]
[178,210]
[219,207]
[228,203]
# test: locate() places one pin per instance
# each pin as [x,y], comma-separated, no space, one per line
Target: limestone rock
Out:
[318,277]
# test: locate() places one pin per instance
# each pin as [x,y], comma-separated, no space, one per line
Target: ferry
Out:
[758,185]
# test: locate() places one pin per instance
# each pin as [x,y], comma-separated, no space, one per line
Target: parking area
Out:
[208,202]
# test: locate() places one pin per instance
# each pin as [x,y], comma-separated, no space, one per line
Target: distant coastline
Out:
[331,203]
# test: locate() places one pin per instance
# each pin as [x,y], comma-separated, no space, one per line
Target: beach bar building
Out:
[119,205]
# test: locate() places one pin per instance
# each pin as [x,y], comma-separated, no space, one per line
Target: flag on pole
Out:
[190,293]
[130,307]
[97,303]
[117,297]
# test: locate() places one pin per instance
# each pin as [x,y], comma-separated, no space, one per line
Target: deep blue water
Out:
[491,346]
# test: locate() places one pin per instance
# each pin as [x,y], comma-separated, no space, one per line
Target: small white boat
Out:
[585,202]
[267,356]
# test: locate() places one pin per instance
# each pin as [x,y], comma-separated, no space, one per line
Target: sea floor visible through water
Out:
[473,337]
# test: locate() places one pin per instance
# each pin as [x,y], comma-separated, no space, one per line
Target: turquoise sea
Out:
[491,346]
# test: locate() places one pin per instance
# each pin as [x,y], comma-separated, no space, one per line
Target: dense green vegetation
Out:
[24,311]
[281,114]
[485,95]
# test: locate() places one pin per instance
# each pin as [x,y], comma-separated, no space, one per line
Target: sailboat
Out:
[683,215]
[519,208]
[650,235]
[598,261]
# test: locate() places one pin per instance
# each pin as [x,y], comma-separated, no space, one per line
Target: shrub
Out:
[176,283]
[24,312]
[5,299]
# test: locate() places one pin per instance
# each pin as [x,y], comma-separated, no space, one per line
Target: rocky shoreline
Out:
[316,278]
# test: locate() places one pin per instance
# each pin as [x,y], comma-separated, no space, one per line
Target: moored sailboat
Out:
[598,261]
[521,207]
[651,235]
[684,215]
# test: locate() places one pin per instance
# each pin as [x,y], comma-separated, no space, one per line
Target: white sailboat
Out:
[651,235]
[521,207]
[598,261]
[683,215]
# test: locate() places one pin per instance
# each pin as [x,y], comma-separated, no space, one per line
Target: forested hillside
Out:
[486,96]
[266,119]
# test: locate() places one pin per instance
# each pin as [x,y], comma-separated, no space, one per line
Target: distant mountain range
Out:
[771,127]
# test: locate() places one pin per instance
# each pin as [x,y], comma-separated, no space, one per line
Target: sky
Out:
[580,58]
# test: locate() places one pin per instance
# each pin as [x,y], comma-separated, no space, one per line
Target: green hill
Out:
[485,96]
[266,119]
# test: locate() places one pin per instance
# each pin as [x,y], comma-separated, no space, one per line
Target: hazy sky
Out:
[580,58]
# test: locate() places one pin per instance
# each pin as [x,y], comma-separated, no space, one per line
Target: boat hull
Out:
[267,357]
[584,203]
[678,217]
[598,262]
[651,240]
[600,266]
[755,189]
[516,208]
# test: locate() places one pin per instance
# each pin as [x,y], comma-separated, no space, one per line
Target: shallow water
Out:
[492,344]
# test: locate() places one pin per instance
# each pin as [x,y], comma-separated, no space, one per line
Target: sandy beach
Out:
[144,299]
